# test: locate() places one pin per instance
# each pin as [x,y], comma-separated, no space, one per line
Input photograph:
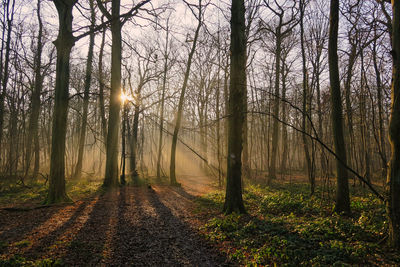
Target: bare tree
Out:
[199,16]
[237,111]
[393,204]
[64,43]
[342,191]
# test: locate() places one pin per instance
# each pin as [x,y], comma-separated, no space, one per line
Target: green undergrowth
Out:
[286,226]
[20,261]
[32,192]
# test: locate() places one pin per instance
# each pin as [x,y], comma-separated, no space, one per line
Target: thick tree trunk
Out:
[88,78]
[111,172]
[393,204]
[64,43]
[342,191]
[172,174]
[237,111]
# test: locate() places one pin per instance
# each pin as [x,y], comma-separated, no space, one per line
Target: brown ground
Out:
[128,226]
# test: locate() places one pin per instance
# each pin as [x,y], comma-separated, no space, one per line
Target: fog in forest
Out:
[199,132]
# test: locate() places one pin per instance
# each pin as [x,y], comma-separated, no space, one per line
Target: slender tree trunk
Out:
[164,81]
[382,135]
[306,107]
[393,204]
[88,78]
[217,115]
[64,43]
[123,142]
[101,88]
[9,16]
[237,111]
[284,117]
[342,191]
[181,99]
[134,142]
[275,126]
[32,137]
[349,112]
[363,123]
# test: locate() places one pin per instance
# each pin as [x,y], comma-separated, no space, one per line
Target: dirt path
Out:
[129,226]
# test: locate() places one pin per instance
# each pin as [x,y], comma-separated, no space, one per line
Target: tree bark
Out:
[88,78]
[237,111]
[32,137]
[275,126]
[9,16]
[306,106]
[342,191]
[393,204]
[164,81]
[64,43]
[111,172]
[101,88]
[382,135]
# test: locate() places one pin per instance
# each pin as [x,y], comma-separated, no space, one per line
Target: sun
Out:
[124,97]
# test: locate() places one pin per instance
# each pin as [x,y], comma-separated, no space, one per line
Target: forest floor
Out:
[174,226]
[152,226]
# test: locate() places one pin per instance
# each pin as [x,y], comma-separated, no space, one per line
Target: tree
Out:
[33,134]
[88,77]
[164,81]
[117,21]
[306,103]
[282,30]
[64,43]
[9,11]
[342,191]
[199,16]
[393,204]
[237,112]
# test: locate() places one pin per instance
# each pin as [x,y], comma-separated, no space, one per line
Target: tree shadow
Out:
[149,234]
[86,249]
[41,246]
[13,228]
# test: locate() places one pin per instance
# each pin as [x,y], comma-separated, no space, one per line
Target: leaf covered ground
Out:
[169,226]
[128,226]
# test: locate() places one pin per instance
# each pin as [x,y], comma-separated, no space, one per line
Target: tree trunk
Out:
[275,126]
[101,88]
[172,174]
[9,16]
[393,204]
[284,118]
[32,137]
[382,135]
[111,172]
[88,78]
[342,191]
[164,81]
[64,43]
[306,106]
[134,141]
[237,111]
